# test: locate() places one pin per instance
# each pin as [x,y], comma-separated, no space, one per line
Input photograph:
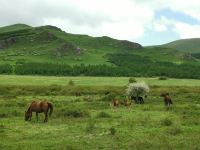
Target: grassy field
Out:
[88,122]
[91,81]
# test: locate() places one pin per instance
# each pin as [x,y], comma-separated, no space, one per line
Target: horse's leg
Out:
[166,103]
[142,101]
[37,115]
[171,101]
[46,116]
[135,101]
[30,116]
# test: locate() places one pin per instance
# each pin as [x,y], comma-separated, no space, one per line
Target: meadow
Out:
[91,81]
[87,121]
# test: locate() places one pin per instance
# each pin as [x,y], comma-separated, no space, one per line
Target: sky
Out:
[148,22]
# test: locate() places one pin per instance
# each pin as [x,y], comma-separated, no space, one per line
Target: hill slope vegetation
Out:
[185,45]
[47,50]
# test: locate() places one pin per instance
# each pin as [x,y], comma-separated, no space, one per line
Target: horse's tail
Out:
[51,108]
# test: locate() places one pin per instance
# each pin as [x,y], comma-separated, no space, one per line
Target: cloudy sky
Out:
[147,22]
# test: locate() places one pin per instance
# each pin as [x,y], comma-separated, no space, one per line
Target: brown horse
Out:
[127,103]
[39,107]
[115,103]
[167,99]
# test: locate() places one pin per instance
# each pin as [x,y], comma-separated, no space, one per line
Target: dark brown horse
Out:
[39,107]
[140,99]
[167,99]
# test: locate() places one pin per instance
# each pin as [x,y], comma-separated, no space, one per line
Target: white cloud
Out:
[189,7]
[187,30]
[161,24]
[118,19]
[121,19]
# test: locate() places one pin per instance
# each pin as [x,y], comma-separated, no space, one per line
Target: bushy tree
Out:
[132,80]
[137,89]
[71,82]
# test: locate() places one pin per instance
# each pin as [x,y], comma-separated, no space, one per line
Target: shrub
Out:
[132,80]
[162,78]
[3,115]
[71,82]
[108,97]
[112,131]
[166,122]
[76,113]
[137,89]
[103,115]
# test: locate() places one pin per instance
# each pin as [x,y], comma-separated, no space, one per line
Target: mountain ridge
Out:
[47,50]
[191,45]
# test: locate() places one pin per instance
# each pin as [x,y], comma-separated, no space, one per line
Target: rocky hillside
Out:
[50,44]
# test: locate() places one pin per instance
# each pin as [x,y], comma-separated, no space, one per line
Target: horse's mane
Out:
[28,107]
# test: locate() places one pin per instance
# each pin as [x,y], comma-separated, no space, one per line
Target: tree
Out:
[132,80]
[137,89]
[71,82]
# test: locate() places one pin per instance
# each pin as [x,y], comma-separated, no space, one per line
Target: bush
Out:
[132,80]
[76,113]
[71,82]
[175,130]
[109,97]
[90,127]
[166,122]
[103,115]
[162,78]
[137,89]
[3,115]
[112,131]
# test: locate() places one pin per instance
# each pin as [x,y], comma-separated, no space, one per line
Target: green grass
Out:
[88,122]
[148,126]
[91,81]
[14,27]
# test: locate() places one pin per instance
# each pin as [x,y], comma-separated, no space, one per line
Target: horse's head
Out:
[164,94]
[27,115]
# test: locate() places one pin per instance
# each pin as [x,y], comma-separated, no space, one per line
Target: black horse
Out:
[140,99]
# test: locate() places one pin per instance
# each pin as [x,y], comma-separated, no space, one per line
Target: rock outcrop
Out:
[7,42]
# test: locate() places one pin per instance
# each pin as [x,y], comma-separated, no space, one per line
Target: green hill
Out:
[47,43]
[21,42]
[14,27]
[47,50]
[185,45]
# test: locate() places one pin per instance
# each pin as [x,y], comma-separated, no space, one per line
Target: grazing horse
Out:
[167,99]
[140,99]
[39,107]
[115,103]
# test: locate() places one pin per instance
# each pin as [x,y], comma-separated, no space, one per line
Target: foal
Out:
[127,103]
[167,99]
[39,107]
[115,103]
